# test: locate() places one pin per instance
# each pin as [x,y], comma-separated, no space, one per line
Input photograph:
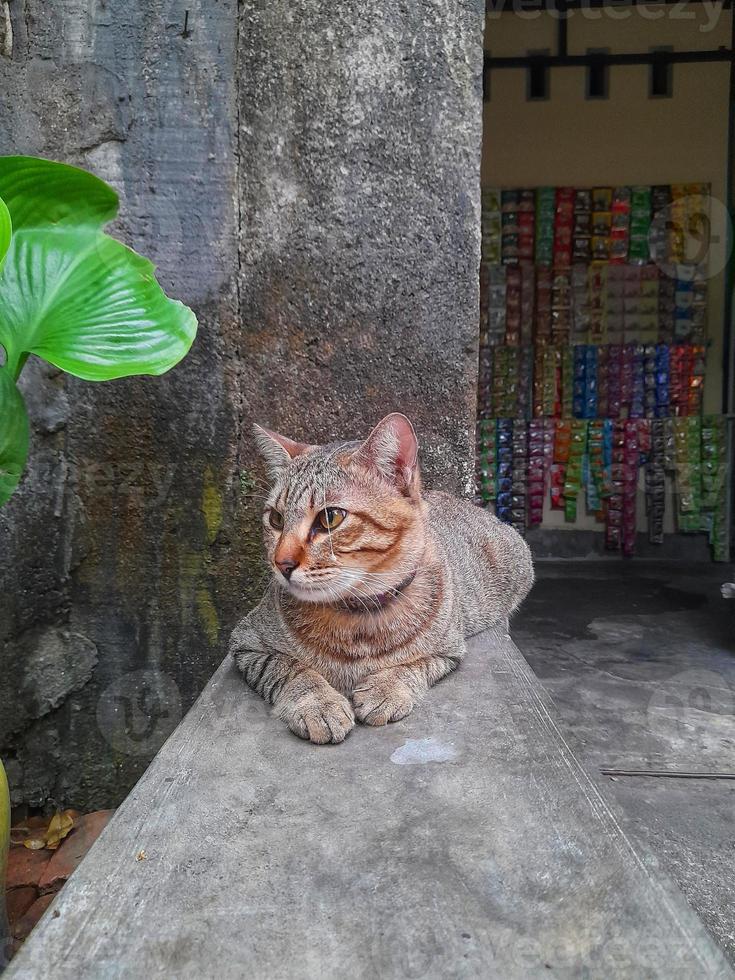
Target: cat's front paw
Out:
[380,698]
[320,717]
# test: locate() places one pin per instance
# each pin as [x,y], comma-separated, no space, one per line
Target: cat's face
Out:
[343,521]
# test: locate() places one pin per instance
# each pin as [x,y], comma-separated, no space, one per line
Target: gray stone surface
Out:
[640,661]
[464,841]
[306,176]
[360,131]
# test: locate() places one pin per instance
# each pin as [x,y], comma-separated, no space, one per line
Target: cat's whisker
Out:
[391,590]
[362,599]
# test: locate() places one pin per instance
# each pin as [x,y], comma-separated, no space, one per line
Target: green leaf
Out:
[6,230]
[89,305]
[41,192]
[14,435]
[73,295]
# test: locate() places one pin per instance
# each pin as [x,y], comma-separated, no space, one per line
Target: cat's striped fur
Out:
[376,610]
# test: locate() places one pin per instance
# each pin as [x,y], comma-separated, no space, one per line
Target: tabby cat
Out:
[375,586]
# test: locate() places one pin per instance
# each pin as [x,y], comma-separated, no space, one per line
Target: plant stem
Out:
[21,364]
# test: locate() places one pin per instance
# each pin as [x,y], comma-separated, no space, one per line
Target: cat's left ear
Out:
[392,449]
[277,450]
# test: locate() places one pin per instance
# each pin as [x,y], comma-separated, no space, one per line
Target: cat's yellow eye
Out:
[276,520]
[331,517]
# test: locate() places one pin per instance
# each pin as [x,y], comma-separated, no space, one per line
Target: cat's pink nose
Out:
[285,566]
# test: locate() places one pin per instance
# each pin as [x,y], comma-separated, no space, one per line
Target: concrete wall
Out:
[306,176]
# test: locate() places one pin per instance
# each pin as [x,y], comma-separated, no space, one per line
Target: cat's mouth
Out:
[340,592]
[309,593]
[313,587]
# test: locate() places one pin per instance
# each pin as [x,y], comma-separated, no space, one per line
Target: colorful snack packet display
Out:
[656,482]
[640,224]
[505,382]
[567,382]
[666,307]
[677,225]
[573,473]
[491,225]
[615,364]
[601,223]
[547,382]
[504,470]
[581,317]
[614,504]
[524,400]
[631,460]
[644,315]
[584,401]
[614,305]
[509,392]
[603,380]
[545,215]
[485,383]
[635,401]
[714,483]
[563,228]
[696,379]
[561,307]
[658,237]
[496,290]
[661,410]
[562,445]
[543,309]
[513,306]
[687,440]
[683,304]
[596,467]
[597,300]
[528,304]
[536,472]
[699,309]
[526,226]
[620,225]
[593,316]
[486,437]
[518,480]
[582,229]
[510,242]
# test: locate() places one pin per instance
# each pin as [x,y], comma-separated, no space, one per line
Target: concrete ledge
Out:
[466,841]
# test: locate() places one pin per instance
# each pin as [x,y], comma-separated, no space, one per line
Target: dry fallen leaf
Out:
[56,830]
[141,856]
[61,824]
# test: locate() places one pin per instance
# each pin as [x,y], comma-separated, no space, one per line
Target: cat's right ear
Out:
[392,450]
[277,450]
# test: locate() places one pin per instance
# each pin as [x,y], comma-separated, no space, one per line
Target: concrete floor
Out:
[639,658]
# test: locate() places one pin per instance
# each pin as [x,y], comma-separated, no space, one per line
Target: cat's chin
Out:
[307,594]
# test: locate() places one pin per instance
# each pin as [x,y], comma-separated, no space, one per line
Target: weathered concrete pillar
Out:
[342,142]
[119,563]
[359,137]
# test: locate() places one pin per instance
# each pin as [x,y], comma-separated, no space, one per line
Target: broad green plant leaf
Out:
[89,305]
[39,193]
[71,294]
[6,230]
[14,435]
